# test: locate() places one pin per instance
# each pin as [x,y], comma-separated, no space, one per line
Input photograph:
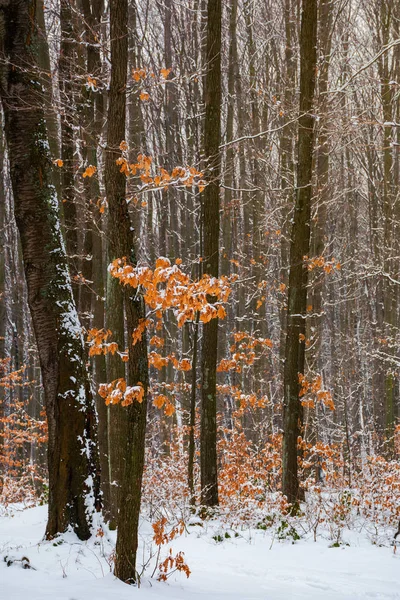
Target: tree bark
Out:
[69,405]
[210,217]
[66,65]
[132,419]
[299,249]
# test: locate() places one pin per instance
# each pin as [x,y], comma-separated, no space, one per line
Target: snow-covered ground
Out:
[253,566]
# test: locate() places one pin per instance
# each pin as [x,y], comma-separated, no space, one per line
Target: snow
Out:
[252,566]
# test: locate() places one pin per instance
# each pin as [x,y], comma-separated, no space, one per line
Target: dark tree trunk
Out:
[132,419]
[118,217]
[93,270]
[210,217]
[299,248]
[69,405]
[66,67]
[320,203]
[192,414]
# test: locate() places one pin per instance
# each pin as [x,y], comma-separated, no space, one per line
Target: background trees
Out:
[151,77]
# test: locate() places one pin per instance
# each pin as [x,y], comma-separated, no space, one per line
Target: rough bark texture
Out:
[132,419]
[69,406]
[118,217]
[66,67]
[299,248]
[210,216]
[319,238]
[92,304]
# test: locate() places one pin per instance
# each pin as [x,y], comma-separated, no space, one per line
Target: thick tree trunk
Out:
[210,216]
[69,406]
[299,249]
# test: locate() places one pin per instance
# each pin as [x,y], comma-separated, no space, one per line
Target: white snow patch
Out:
[252,566]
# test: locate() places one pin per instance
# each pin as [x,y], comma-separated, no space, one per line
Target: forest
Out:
[199,298]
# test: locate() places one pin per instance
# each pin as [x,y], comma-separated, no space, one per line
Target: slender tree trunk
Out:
[115,187]
[93,269]
[66,65]
[287,162]
[316,323]
[299,248]
[229,174]
[388,209]
[210,216]
[45,66]
[192,414]
[132,419]
[3,300]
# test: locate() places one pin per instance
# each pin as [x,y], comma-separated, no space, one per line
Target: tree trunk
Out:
[132,419]
[115,187]
[66,67]
[69,405]
[93,269]
[210,216]
[299,249]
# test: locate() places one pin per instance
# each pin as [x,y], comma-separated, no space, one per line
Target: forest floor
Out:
[248,565]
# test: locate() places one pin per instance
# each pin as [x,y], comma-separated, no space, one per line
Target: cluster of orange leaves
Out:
[308,389]
[171,563]
[139,331]
[168,287]
[159,362]
[187,176]
[138,74]
[18,431]
[162,401]
[97,340]
[243,351]
[319,262]
[327,456]
[379,485]
[89,171]
[233,364]
[118,392]
[142,74]
[248,401]
[162,536]
[244,402]
[247,471]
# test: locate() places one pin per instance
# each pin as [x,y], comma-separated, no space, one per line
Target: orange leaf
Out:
[165,72]
[89,171]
